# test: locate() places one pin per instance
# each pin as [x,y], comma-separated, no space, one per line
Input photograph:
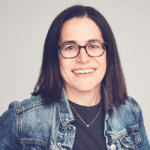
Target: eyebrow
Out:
[93,40]
[75,42]
[69,42]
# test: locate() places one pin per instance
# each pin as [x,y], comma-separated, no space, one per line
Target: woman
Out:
[80,101]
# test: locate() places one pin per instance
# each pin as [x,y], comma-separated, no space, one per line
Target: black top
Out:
[89,138]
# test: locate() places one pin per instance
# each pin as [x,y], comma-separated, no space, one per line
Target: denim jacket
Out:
[35,125]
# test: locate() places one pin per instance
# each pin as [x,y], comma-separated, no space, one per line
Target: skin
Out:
[83,89]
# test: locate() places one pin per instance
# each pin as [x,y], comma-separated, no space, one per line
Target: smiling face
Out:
[82,73]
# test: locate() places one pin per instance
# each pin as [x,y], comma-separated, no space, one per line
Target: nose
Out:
[83,56]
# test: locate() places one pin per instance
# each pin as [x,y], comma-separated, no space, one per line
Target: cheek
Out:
[64,67]
[102,62]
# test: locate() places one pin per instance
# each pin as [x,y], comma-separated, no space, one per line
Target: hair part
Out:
[50,82]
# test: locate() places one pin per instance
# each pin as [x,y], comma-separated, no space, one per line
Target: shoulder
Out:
[131,105]
[27,105]
[125,116]
[126,125]
[32,114]
[29,109]
[131,102]
[33,101]
[130,110]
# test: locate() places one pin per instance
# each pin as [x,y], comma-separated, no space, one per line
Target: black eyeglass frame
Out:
[79,47]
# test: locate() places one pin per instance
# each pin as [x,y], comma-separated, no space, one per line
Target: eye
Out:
[69,47]
[93,46]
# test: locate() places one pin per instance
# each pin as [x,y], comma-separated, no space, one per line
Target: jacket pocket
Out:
[131,138]
[34,147]
[32,144]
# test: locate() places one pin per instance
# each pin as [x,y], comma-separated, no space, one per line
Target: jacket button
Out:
[107,117]
[59,144]
[113,147]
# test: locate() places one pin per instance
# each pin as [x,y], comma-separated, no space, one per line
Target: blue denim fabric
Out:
[34,125]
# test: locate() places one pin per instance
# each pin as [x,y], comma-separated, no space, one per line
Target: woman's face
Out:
[82,73]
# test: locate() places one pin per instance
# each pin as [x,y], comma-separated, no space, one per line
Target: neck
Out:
[85,98]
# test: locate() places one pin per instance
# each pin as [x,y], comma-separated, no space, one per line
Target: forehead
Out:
[80,29]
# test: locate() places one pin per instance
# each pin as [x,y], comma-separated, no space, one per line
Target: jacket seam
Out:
[133,128]
[17,122]
[32,141]
[23,108]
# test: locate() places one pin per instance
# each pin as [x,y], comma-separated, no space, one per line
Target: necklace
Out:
[87,124]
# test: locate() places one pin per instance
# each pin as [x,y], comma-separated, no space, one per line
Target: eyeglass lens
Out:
[72,50]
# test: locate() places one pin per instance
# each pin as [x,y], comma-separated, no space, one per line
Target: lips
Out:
[83,71]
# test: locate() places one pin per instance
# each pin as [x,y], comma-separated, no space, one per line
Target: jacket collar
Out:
[65,112]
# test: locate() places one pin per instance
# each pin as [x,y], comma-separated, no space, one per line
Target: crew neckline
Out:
[82,107]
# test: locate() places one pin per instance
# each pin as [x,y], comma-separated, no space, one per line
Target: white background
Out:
[23,28]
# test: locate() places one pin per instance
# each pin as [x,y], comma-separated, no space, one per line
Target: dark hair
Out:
[50,82]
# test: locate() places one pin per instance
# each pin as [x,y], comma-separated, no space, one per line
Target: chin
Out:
[86,88]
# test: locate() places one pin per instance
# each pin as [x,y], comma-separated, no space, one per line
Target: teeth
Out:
[83,71]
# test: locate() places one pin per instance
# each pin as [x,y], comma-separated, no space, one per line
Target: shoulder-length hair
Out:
[50,82]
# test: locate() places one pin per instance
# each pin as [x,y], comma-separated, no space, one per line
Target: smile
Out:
[83,71]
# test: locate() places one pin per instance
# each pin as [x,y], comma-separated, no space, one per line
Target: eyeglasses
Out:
[71,49]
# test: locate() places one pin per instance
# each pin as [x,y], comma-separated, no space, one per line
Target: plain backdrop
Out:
[23,28]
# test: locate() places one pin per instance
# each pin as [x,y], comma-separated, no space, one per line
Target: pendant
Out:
[88,125]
